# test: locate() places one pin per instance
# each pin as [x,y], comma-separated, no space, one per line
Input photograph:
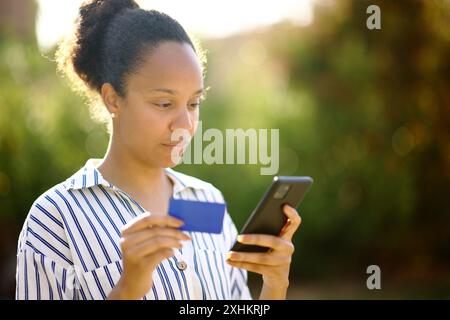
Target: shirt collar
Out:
[89,176]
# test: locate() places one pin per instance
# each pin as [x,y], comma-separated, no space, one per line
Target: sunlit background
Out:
[206,19]
[366,113]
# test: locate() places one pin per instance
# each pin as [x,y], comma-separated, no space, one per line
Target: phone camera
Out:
[281,191]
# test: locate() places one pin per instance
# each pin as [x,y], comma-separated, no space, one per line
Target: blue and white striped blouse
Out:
[69,245]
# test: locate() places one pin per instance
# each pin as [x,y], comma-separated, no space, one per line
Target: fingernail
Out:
[180,223]
[240,238]
[229,255]
[185,236]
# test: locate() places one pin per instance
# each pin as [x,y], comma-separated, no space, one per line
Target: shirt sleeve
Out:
[44,268]
[40,278]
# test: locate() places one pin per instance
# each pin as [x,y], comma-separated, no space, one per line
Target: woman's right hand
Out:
[146,241]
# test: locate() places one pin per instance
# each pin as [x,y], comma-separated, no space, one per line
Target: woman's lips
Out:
[172,145]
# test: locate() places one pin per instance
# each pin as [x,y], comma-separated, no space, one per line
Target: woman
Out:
[104,233]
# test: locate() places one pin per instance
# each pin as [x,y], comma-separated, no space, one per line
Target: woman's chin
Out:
[174,159]
[171,156]
[170,164]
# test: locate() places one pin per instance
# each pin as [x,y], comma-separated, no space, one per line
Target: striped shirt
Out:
[69,245]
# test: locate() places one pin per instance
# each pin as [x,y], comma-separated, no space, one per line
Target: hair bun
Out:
[91,26]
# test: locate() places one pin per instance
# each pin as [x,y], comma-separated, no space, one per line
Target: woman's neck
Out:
[145,184]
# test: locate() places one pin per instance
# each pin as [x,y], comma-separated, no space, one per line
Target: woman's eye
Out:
[163,105]
[195,103]
[166,105]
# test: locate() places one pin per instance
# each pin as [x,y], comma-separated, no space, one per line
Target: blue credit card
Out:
[198,216]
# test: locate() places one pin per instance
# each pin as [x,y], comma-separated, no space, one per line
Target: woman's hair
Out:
[108,43]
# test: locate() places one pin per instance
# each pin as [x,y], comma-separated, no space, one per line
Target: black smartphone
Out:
[268,216]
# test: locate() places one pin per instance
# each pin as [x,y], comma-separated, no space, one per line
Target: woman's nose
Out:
[183,120]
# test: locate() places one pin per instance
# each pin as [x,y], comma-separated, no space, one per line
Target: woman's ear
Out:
[111,99]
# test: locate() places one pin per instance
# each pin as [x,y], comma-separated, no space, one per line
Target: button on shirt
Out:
[69,245]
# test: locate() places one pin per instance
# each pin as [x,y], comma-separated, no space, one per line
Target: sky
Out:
[204,18]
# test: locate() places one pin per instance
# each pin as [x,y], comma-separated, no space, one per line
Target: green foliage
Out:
[45,130]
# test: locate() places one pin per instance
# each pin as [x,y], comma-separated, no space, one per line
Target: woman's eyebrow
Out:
[174,92]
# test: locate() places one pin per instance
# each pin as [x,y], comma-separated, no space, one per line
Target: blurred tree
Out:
[17,19]
[382,137]
[412,59]
[45,130]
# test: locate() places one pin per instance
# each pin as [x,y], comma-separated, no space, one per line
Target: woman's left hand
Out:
[272,265]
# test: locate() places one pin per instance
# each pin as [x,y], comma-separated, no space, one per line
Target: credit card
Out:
[198,216]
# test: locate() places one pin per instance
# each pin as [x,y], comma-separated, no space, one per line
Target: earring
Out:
[113,115]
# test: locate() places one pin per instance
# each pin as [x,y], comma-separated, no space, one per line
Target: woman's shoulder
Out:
[49,204]
[43,229]
[52,203]
[56,198]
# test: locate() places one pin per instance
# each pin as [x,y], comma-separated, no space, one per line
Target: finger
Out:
[252,267]
[291,226]
[146,220]
[264,240]
[152,245]
[259,258]
[140,236]
[158,256]
[292,214]
[285,227]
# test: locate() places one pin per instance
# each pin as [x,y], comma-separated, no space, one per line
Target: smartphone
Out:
[268,216]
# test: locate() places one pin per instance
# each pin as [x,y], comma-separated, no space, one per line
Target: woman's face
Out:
[162,97]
